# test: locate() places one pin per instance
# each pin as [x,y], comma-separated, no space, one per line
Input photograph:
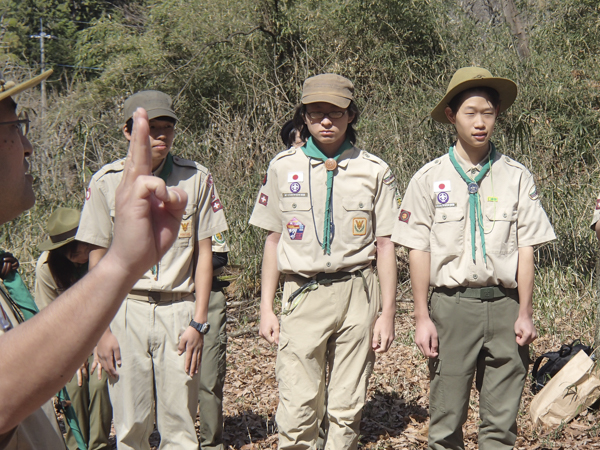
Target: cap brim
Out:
[160,112]
[336,100]
[25,85]
[48,245]
[507,90]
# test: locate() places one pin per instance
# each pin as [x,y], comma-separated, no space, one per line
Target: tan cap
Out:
[470,77]
[156,104]
[328,88]
[61,227]
[10,88]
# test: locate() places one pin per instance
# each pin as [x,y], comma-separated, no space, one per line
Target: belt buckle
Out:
[486,293]
[154,297]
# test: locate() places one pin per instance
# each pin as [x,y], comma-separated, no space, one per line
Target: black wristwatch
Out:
[202,328]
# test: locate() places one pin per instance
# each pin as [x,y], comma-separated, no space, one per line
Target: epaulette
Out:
[289,152]
[113,167]
[371,157]
[187,163]
[511,162]
[430,165]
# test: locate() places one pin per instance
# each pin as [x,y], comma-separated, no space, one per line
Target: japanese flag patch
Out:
[442,186]
[295,177]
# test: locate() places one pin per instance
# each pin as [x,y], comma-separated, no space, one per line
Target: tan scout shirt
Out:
[434,218]
[39,430]
[596,216]
[292,202]
[46,289]
[203,218]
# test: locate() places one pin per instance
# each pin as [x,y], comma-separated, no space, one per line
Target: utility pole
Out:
[42,37]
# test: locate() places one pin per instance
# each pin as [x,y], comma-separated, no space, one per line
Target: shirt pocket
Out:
[500,227]
[448,231]
[186,233]
[296,215]
[357,225]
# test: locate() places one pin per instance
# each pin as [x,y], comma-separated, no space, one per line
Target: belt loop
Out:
[457,295]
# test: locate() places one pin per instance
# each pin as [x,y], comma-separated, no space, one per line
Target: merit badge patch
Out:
[295,229]
[216,205]
[88,194]
[295,176]
[533,193]
[388,177]
[398,198]
[359,226]
[295,187]
[598,204]
[439,186]
[263,199]
[219,238]
[404,216]
[443,198]
[185,230]
[264,181]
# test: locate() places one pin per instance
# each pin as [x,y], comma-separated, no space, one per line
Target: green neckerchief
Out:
[20,295]
[164,174]
[312,151]
[475,215]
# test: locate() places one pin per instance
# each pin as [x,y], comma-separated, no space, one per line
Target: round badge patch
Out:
[473,188]
[295,187]
[443,198]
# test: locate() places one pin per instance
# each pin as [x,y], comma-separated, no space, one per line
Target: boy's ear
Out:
[126,133]
[450,115]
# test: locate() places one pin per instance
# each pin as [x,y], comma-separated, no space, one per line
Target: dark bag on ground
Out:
[556,361]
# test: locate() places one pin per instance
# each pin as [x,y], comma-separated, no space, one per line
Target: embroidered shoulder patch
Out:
[216,205]
[388,177]
[404,216]
[264,181]
[219,238]
[263,199]
[533,193]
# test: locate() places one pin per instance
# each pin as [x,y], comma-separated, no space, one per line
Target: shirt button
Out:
[504,215]
[294,205]
[474,276]
[360,205]
[473,171]
[444,216]
[328,264]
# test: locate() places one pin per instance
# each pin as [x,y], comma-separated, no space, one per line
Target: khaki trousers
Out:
[476,336]
[212,375]
[152,372]
[333,324]
[92,407]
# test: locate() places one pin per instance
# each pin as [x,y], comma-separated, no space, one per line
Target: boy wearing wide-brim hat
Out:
[153,347]
[470,219]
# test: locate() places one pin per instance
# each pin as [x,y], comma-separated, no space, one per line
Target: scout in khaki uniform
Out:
[329,208]
[152,349]
[63,262]
[470,219]
[596,218]
[214,354]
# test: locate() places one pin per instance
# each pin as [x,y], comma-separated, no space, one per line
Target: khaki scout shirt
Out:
[203,218]
[596,216]
[434,218]
[292,202]
[46,289]
[39,430]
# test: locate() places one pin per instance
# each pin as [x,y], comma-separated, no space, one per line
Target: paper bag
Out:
[574,388]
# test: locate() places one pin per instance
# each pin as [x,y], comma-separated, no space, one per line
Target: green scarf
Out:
[475,215]
[164,174]
[312,151]
[19,294]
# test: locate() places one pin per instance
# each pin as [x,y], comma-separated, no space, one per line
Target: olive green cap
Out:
[61,228]
[328,88]
[10,88]
[156,104]
[470,77]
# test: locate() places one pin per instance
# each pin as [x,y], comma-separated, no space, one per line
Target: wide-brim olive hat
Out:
[10,88]
[156,104]
[61,228]
[471,77]
[328,88]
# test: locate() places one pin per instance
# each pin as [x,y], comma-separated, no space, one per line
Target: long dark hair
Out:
[305,134]
[65,272]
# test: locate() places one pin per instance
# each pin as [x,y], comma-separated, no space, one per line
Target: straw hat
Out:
[470,77]
[61,227]
[328,88]
[9,88]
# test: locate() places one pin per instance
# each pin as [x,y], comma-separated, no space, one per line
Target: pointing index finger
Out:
[139,157]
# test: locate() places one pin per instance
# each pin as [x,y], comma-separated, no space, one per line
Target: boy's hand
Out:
[525,331]
[269,327]
[109,353]
[383,333]
[191,342]
[426,337]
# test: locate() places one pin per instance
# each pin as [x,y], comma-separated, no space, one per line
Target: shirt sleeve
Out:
[45,286]
[412,228]
[211,217]
[596,216]
[267,213]
[385,208]
[533,225]
[95,226]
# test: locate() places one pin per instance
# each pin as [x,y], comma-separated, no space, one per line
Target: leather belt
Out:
[157,296]
[481,293]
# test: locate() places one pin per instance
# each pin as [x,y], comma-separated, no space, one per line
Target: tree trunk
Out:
[517,27]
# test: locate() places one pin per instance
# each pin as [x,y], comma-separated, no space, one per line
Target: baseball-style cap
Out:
[328,88]
[470,77]
[10,88]
[61,228]
[156,104]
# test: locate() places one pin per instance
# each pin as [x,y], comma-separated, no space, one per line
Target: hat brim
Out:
[507,91]
[25,85]
[336,100]
[48,245]
[160,112]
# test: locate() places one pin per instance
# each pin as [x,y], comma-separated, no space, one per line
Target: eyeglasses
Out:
[318,115]
[22,122]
